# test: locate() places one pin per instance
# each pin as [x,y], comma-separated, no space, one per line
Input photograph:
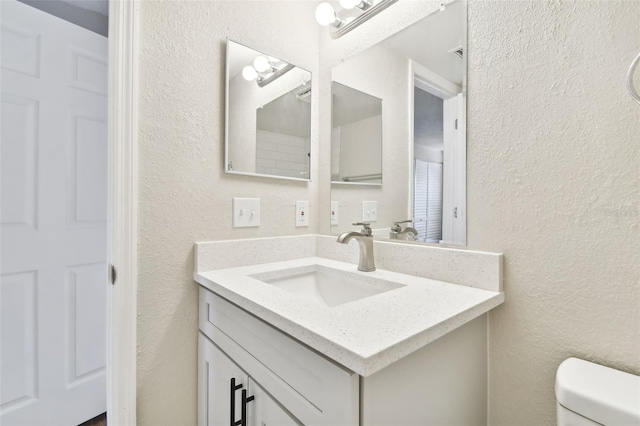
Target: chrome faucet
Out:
[365,242]
[396,230]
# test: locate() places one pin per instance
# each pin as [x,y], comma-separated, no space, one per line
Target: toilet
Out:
[591,394]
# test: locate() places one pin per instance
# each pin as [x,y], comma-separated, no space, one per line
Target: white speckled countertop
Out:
[365,335]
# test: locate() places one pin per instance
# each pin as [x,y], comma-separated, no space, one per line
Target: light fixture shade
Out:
[261,64]
[325,15]
[249,73]
[349,4]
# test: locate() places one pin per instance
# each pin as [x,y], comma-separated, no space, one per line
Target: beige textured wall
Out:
[184,194]
[553,182]
[553,179]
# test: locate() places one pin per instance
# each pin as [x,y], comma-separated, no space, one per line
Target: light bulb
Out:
[261,64]
[325,15]
[349,4]
[249,73]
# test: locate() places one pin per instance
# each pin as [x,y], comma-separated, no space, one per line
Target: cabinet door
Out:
[215,374]
[264,410]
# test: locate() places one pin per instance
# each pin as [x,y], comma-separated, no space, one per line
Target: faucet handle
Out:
[366,228]
[403,221]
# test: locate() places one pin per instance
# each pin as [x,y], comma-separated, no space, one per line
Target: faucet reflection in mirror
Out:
[408,232]
[268,115]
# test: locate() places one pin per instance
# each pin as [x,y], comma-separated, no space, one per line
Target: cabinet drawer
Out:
[313,388]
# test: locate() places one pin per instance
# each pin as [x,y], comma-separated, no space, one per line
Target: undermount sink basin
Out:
[331,287]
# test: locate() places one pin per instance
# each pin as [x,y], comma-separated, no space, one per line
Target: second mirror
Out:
[356,136]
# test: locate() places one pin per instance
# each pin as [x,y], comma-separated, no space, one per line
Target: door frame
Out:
[122,211]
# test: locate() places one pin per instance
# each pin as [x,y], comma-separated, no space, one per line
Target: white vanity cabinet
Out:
[290,383]
[442,383]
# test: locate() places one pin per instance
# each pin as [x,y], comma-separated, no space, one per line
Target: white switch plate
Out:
[334,212]
[369,211]
[302,213]
[246,212]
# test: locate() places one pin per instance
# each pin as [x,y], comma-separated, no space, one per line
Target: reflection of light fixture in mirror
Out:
[326,15]
[262,64]
[350,4]
[264,70]
[249,73]
[268,78]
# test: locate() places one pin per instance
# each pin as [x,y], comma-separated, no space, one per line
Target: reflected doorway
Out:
[439,159]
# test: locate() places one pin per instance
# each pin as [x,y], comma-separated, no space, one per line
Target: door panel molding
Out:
[28,61]
[20,300]
[20,179]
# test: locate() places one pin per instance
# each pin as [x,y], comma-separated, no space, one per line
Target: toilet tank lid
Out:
[598,393]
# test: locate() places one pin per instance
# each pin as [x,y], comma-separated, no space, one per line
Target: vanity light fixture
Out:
[326,14]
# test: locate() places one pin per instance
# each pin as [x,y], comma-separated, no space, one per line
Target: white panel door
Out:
[53,274]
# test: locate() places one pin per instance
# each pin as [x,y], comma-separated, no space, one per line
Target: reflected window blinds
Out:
[427,201]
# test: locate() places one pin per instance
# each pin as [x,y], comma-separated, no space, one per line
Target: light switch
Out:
[246,212]
[369,211]
[334,212]
[302,213]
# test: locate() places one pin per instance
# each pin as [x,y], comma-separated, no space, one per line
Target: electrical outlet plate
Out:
[334,212]
[246,212]
[302,213]
[369,211]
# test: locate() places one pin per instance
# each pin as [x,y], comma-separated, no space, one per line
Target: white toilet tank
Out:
[591,394]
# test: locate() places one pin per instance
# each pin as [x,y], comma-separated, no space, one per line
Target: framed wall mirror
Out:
[419,74]
[267,115]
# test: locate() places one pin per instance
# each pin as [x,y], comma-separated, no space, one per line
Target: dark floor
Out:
[100,420]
